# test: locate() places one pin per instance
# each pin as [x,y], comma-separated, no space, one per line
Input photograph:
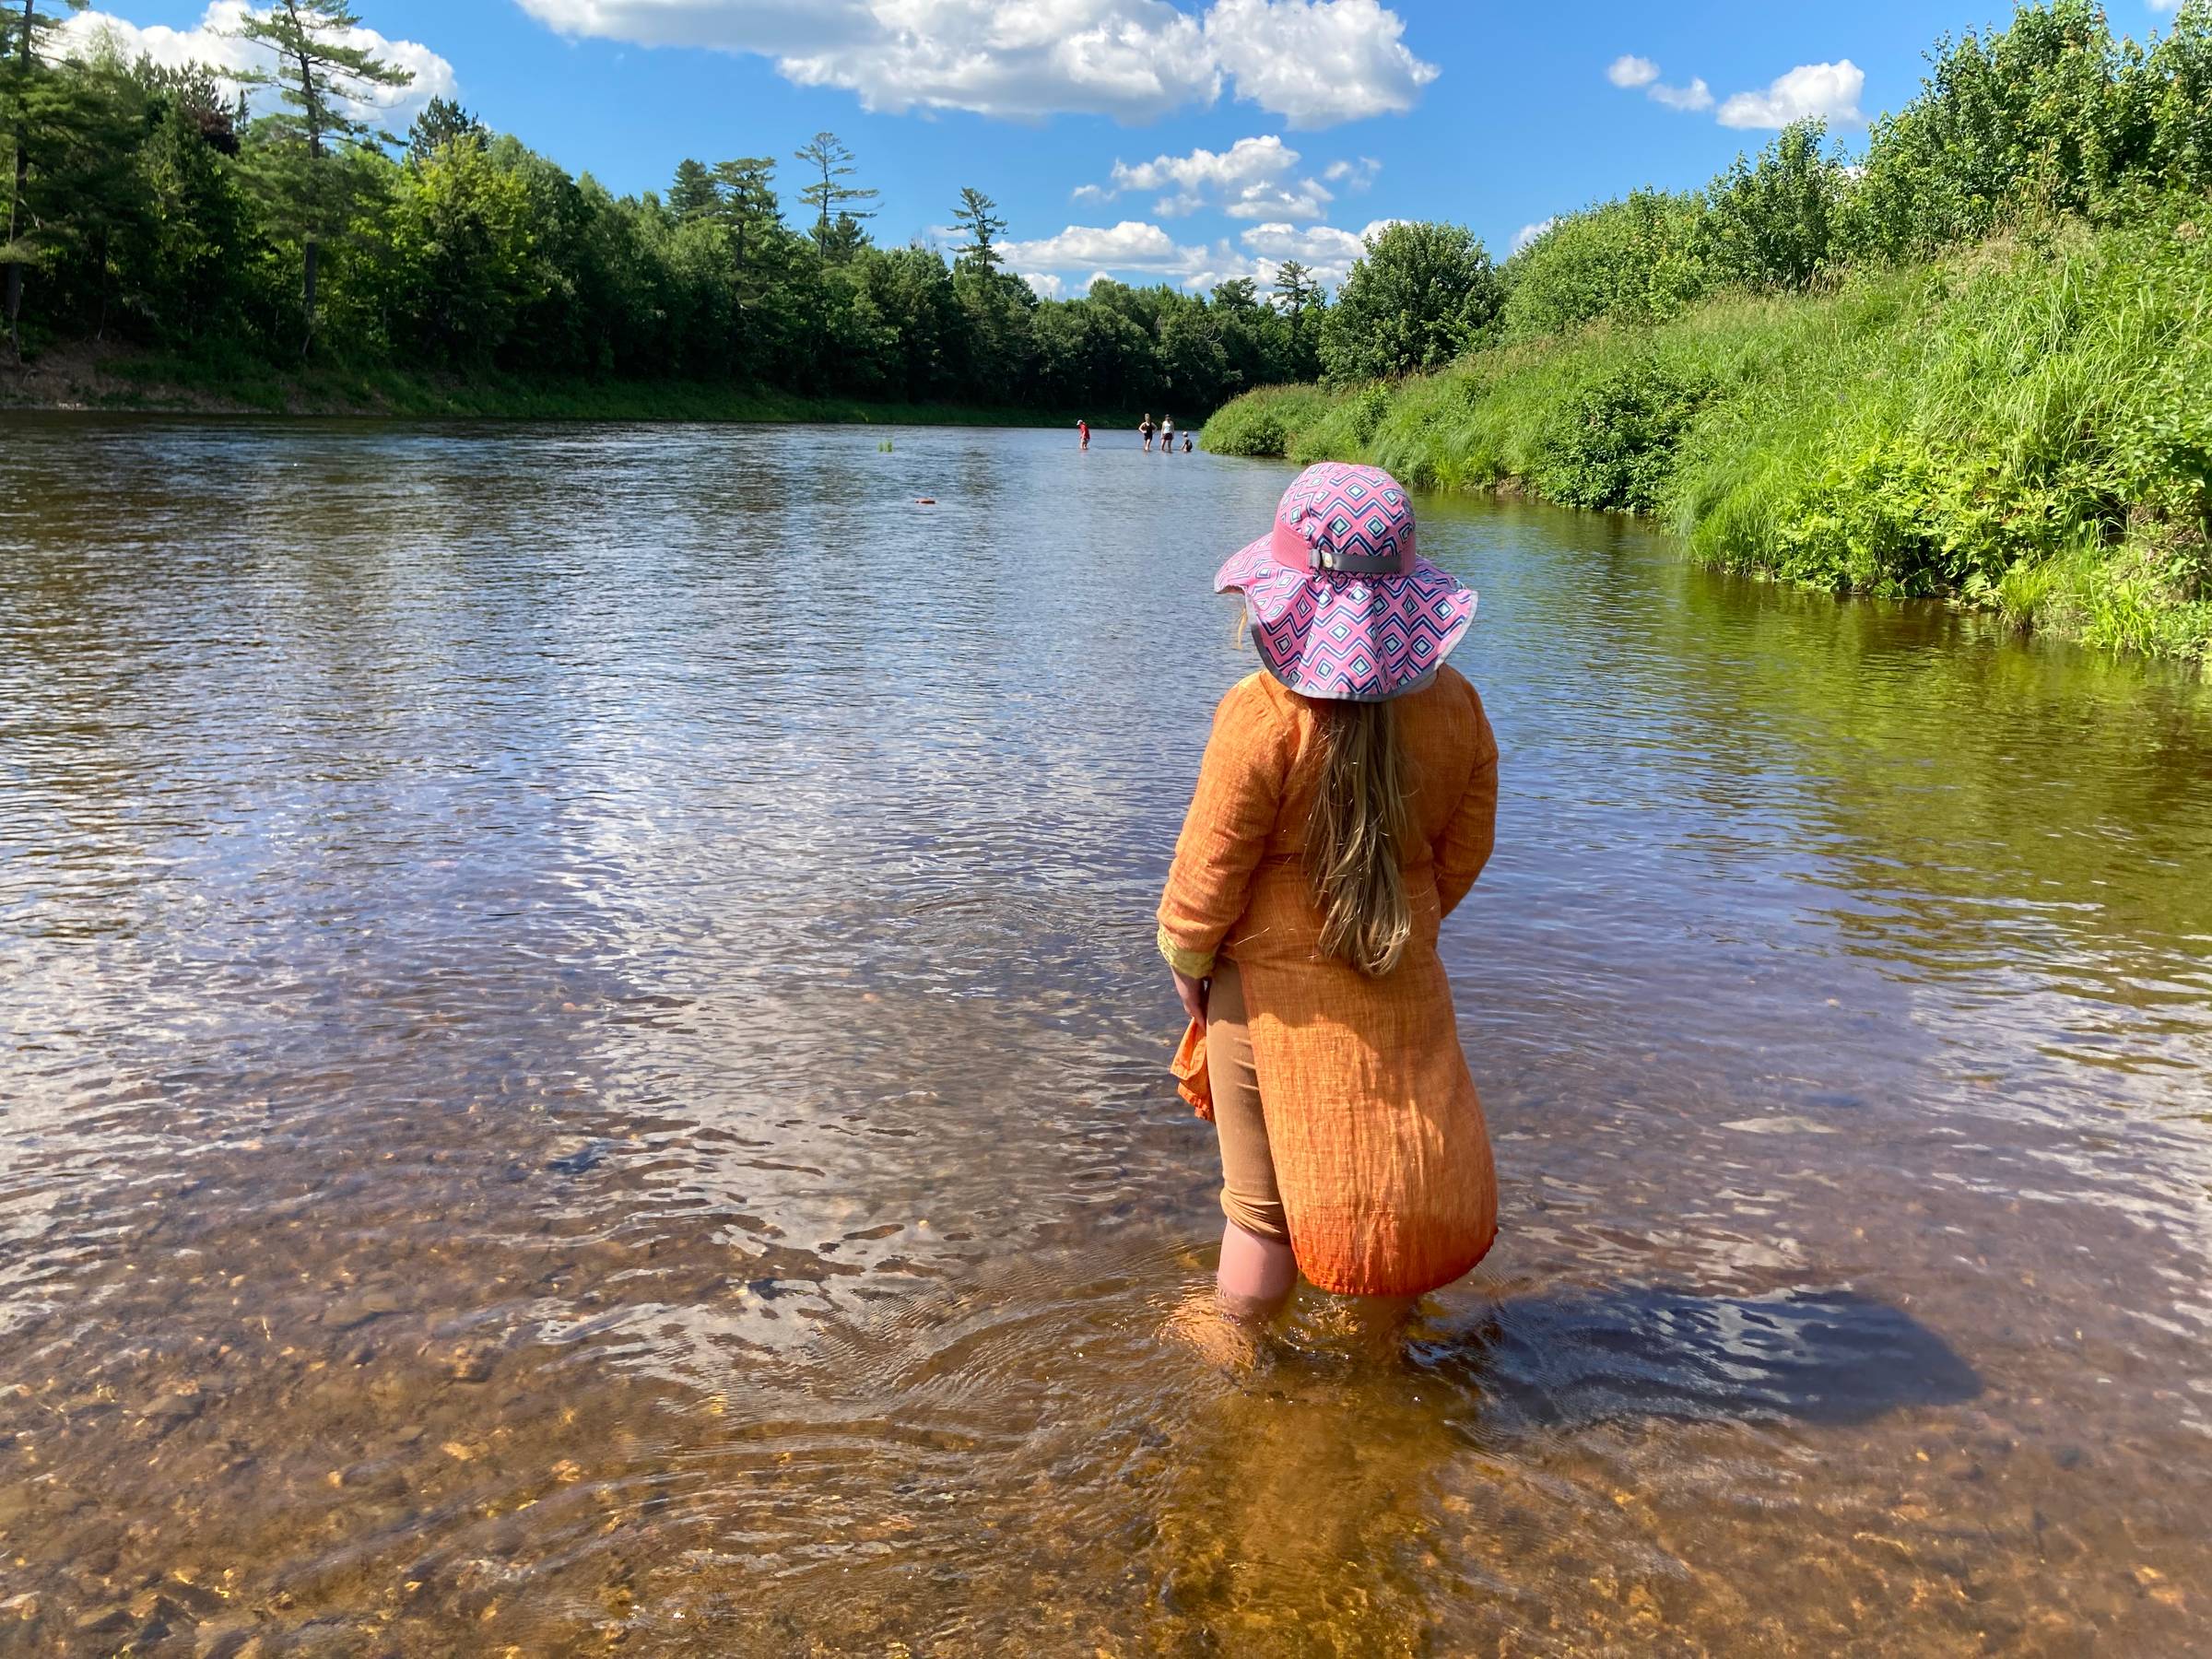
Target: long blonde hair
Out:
[1360,821]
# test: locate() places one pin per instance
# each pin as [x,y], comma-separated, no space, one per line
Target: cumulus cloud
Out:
[1045,285]
[1132,245]
[1317,62]
[1810,91]
[1251,179]
[1695,96]
[1640,73]
[1353,175]
[1325,250]
[1528,233]
[1313,62]
[211,42]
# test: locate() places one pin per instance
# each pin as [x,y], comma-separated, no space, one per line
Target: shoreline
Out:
[108,380]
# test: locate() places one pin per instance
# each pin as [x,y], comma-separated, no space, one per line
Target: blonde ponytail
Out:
[1358,824]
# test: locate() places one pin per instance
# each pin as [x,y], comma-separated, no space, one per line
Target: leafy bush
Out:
[1632,261]
[1614,445]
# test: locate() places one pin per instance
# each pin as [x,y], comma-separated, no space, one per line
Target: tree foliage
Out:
[1420,295]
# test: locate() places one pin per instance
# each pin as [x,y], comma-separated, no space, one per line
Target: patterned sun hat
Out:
[1342,607]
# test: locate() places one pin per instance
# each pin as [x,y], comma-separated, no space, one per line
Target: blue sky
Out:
[1245,131]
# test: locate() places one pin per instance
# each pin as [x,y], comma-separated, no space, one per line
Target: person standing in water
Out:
[1186,444]
[1083,434]
[1145,428]
[1345,804]
[1167,434]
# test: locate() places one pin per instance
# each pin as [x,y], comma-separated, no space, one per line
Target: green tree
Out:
[1771,223]
[1420,295]
[831,200]
[319,72]
[694,193]
[443,122]
[977,216]
[1635,260]
[40,105]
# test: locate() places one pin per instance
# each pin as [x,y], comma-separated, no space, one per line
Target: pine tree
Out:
[692,194]
[828,155]
[319,74]
[977,214]
[443,122]
[36,99]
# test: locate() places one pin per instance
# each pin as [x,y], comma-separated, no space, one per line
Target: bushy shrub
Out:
[1612,446]
[1632,261]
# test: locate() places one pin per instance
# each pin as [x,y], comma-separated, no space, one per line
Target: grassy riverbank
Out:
[78,378]
[2024,426]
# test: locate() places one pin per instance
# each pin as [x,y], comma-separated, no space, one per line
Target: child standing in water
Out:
[1083,434]
[1346,804]
[1167,434]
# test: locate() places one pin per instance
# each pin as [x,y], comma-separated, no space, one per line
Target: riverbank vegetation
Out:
[1976,360]
[191,227]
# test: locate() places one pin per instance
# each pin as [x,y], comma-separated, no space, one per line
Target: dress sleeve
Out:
[1472,830]
[1226,831]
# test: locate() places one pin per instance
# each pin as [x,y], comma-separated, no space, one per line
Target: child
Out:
[1346,804]
[1186,444]
[1083,433]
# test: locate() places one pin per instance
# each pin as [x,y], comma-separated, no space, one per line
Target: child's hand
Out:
[1192,994]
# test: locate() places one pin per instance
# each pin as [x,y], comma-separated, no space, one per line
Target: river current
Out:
[584,1069]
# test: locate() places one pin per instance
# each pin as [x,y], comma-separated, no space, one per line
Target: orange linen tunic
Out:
[1380,1149]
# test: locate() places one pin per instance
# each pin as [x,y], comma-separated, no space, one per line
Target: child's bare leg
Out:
[1256,1276]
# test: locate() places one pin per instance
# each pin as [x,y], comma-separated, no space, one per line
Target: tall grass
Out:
[2025,427]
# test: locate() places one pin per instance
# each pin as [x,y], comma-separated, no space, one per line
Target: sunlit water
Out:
[584,1067]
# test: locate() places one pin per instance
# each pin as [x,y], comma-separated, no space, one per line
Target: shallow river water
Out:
[584,1069]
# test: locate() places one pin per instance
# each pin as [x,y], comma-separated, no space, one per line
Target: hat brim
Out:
[1348,638]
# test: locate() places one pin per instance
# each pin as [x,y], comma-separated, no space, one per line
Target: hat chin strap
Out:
[1292,550]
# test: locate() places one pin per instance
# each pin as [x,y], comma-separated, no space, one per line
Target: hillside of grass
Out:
[2024,426]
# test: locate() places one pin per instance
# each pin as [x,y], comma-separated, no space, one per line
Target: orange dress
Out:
[1380,1149]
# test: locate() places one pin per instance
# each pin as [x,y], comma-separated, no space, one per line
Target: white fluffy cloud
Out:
[1634,74]
[1355,174]
[212,42]
[1695,96]
[1132,245]
[1252,178]
[1317,62]
[1312,61]
[1142,249]
[1810,91]
[1528,233]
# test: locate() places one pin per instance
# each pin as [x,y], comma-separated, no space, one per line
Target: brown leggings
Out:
[1249,1196]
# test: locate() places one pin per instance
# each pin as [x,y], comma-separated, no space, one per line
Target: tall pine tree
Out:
[319,74]
[836,220]
[36,101]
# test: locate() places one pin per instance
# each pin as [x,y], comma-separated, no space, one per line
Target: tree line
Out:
[154,205]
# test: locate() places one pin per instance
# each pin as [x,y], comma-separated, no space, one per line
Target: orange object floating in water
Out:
[925,501]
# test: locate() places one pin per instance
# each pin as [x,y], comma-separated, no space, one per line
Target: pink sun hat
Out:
[1342,607]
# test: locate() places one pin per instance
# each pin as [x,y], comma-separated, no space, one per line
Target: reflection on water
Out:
[584,1068]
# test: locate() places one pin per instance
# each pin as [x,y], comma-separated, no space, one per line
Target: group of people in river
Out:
[1166,430]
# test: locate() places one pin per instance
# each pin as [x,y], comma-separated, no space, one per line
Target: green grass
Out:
[2026,428]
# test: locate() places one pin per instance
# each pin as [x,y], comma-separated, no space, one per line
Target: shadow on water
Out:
[1573,1361]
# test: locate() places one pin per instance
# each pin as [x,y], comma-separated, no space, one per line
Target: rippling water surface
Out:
[584,1068]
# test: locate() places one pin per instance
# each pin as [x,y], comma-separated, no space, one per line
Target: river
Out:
[585,1068]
